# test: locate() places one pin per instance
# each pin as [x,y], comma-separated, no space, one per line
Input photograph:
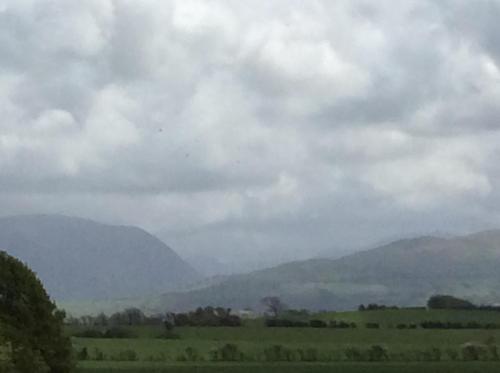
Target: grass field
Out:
[141,367]
[306,349]
[390,318]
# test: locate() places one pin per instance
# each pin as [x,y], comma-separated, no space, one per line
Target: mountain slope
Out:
[82,259]
[405,272]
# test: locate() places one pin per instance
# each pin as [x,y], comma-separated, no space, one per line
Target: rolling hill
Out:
[405,272]
[81,259]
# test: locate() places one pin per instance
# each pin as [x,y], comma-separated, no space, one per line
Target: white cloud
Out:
[289,123]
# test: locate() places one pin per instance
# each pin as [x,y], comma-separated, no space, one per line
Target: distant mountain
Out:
[81,259]
[404,272]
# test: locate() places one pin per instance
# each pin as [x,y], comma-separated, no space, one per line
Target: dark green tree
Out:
[32,325]
[449,302]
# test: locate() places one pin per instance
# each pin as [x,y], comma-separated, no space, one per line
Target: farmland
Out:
[257,348]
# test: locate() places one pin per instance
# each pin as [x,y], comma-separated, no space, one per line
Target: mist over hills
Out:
[81,259]
[404,272]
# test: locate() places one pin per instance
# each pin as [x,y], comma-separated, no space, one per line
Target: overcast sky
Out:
[253,130]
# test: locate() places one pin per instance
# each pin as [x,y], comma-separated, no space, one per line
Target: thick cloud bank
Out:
[253,131]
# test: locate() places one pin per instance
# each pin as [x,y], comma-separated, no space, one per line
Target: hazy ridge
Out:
[81,259]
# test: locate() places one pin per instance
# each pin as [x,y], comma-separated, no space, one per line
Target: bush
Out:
[168,334]
[377,353]
[317,324]
[208,316]
[228,352]
[83,354]
[354,354]
[432,354]
[285,323]
[278,353]
[341,324]
[99,355]
[474,352]
[190,354]
[372,325]
[310,354]
[89,333]
[127,355]
[118,333]
[452,354]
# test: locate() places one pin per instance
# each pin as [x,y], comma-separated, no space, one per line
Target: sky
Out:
[247,133]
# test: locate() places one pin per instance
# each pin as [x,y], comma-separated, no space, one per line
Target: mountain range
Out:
[405,272]
[80,259]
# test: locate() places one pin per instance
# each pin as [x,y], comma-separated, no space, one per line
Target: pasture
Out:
[256,348]
[145,367]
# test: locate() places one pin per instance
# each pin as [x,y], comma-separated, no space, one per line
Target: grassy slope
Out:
[405,272]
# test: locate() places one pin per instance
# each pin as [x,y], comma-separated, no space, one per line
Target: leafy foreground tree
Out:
[31,325]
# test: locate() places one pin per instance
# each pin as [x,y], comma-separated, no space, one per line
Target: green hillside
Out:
[405,272]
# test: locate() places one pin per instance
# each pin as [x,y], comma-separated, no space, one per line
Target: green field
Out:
[141,367]
[390,318]
[262,349]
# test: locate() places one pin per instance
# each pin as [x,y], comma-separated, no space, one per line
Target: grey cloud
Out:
[278,129]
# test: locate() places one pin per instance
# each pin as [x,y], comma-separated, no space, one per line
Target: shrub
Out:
[310,354]
[278,353]
[99,355]
[354,354]
[89,333]
[285,323]
[228,352]
[452,354]
[432,354]
[118,332]
[191,354]
[372,325]
[168,334]
[208,316]
[341,324]
[127,355]
[83,354]
[317,324]
[473,352]
[377,353]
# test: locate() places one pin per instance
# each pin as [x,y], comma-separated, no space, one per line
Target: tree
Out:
[273,305]
[449,302]
[5,353]
[32,325]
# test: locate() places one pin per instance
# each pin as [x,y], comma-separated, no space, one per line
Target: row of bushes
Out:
[98,355]
[279,353]
[114,332]
[285,323]
[202,316]
[376,307]
[208,316]
[457,325]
